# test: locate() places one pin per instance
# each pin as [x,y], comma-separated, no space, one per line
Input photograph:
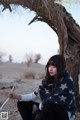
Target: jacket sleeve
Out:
[29,96]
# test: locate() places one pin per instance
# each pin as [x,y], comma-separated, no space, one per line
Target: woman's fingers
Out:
[10,95]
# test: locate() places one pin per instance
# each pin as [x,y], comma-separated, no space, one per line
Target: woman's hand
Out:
[14,96]
[10,94]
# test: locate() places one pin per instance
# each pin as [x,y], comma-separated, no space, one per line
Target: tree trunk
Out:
[65,27]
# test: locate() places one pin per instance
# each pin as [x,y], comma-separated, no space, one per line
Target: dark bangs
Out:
[50,62]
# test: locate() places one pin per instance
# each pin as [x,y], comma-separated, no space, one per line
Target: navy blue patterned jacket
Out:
[63,95]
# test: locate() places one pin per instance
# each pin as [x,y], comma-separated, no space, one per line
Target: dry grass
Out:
[29,75]
[32,75]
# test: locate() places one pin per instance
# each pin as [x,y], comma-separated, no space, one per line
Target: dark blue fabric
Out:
[63,95]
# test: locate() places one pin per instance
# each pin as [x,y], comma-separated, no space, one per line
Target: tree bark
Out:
[64,25]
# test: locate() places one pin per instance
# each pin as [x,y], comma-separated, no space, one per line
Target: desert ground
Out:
[24,78]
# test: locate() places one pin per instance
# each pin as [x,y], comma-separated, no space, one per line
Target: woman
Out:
[56,93]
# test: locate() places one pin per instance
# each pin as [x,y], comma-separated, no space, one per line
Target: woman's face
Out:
[52,70]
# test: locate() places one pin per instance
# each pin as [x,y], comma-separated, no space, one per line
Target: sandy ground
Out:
[12,75]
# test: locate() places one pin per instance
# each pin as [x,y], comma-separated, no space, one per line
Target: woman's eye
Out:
[52,66]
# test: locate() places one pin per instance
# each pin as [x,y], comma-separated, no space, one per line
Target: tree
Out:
[1,55]
[10,58]
[68,31]
[37,58]
[29,59]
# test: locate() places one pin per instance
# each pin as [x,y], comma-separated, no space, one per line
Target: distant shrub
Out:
[1,55]
[29,74]
[10,58]
[29,59]
[29,62]
[37,58]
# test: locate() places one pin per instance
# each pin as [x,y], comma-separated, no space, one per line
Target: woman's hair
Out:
[59,62]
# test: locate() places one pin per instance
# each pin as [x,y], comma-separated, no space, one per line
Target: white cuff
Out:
[40,106]
[28,97]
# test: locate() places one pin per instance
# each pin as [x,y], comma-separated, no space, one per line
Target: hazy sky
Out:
[18,38]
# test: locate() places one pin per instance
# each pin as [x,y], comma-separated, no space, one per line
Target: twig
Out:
[5,101]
